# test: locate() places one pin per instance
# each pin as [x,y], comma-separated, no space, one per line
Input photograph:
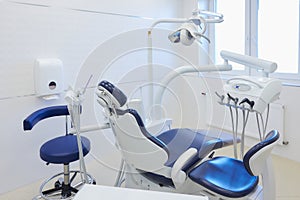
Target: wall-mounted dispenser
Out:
[48,76]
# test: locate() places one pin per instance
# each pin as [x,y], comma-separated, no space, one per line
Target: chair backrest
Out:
[44,113]
[255,159]
[139,148]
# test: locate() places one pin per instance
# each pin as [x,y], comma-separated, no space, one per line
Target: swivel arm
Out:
[44,113]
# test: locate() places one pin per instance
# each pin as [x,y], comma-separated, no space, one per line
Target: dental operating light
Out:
[189,32]
[195,27]
[192,28]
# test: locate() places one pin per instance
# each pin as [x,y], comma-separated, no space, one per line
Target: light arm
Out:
[212,17]
[249,61]
[187,69]
[175,20]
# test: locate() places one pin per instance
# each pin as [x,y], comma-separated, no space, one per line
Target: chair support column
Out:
[66,174]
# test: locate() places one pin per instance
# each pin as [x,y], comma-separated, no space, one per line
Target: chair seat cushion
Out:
[63,149]
[224,176]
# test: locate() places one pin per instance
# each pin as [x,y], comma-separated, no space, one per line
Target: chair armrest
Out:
[178,176]
[44,113]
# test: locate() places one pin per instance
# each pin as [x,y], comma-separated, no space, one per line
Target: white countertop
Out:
[96,192]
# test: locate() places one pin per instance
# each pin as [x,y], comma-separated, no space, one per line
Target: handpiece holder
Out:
[260,91]
[236,104]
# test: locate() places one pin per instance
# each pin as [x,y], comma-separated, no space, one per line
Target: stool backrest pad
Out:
[44,113]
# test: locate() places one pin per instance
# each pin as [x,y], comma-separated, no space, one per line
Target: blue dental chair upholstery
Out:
[176,141]
[59,150]
[165,149]
[233,178]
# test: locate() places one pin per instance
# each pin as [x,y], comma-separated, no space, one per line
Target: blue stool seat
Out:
[63,149]
[225,176]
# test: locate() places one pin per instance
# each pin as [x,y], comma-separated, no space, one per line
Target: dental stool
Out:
[60,150]
[155,162]
[228,178]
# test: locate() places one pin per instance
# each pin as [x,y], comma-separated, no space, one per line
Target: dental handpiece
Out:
[246,100]
[220,96]
[235,100]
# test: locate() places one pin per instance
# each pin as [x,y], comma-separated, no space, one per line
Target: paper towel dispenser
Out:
[48,76]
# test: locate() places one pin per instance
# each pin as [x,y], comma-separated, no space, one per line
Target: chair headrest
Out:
[110,94]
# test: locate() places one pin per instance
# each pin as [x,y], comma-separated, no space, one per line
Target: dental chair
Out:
[156,162]
[59,150]
[228,178]
[181,160]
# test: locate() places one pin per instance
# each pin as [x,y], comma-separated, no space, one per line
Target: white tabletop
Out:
[96,192]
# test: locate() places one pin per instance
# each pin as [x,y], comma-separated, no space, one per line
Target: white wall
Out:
[86,36]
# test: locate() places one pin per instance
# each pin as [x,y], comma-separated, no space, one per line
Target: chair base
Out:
[61,190]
